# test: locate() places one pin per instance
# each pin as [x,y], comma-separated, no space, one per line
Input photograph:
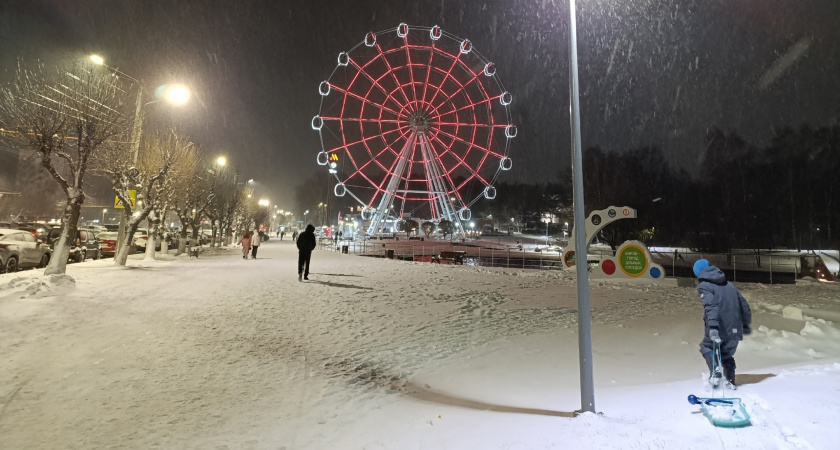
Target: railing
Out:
[475,255]
[772,267]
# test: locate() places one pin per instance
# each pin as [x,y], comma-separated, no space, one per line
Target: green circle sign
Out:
[632,260]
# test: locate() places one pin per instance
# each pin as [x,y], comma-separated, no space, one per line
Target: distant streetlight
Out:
[221,161]
[103,214]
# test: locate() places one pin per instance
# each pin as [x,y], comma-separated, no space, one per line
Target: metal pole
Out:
[587,385]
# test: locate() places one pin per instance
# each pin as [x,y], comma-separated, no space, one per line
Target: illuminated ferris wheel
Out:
[414,122]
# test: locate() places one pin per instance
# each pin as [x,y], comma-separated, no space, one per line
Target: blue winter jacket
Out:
[725,308]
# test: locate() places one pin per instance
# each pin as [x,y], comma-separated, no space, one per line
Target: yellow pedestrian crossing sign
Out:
[132,195]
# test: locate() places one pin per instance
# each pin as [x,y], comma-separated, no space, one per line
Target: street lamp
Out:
[174,94]
[104,210]
[547,221]
[221,161]
[587,383]
[304,215]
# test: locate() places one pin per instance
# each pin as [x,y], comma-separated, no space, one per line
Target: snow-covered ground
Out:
[218,352]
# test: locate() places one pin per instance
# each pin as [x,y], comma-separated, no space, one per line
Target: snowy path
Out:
[370,353]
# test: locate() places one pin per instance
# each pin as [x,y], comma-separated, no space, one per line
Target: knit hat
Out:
[699,266]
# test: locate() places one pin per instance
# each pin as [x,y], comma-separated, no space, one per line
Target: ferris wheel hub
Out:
[418,121]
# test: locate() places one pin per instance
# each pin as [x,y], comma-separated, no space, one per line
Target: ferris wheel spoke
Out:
[410,71]
[363,99]
[363,141]
[484,101]
[461,162]
[360,119]
[386,148]
[470,144]
[391,72]
[428,73]
[462,86]
[446,76]
[466,124]
[376,82]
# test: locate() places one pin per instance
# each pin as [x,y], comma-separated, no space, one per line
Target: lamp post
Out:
[104,210]
[304,215]
[547,221]
[174,94]
[587,384]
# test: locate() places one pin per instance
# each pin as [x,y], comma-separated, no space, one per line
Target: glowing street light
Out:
[221,161]
[104,210]
[177,94]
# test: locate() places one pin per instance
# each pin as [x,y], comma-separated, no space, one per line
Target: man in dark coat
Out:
[727,316]
[305,244]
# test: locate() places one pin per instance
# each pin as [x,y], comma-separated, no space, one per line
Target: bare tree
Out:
[161,154]
[66,116]
[187,189]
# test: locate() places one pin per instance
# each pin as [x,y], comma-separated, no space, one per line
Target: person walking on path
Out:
[305,244]
[256,240]
[282,233]
[245,240]
[727,317]
[294,235]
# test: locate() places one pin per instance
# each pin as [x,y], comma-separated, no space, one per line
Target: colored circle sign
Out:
[655,272]
[608,266]
[596,220]
[569,258]
[632,260]
[611,213]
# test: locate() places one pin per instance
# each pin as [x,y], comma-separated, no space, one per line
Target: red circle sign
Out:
[608,266]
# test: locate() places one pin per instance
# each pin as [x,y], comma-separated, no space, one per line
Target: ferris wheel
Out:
[414,122]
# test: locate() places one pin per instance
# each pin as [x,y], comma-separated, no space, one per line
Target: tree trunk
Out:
[58,263]
[154,224]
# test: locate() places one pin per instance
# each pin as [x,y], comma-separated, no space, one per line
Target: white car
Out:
[20,249]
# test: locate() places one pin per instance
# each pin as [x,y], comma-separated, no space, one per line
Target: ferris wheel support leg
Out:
[439,185]
[393,182]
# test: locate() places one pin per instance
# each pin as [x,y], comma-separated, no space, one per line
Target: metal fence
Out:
[474,254]
[772,267]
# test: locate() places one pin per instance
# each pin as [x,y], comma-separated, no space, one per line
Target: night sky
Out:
[652,72]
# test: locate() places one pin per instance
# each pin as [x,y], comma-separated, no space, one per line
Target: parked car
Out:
[85,245]
[141,238]
[112,227]
[19,249]
[37,230]
[108,242]
[93,249]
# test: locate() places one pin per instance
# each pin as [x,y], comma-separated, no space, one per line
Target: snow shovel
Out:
[722,412]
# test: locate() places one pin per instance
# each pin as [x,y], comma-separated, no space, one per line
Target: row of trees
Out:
[80,120]
[783,195]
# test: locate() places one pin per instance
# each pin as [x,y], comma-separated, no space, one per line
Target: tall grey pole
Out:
[587,385]
[136,132]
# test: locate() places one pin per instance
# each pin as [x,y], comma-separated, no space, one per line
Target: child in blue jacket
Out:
[727,316]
